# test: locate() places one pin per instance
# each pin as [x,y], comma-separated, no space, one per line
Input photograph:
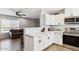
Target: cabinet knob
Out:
[48,38]
[39,41]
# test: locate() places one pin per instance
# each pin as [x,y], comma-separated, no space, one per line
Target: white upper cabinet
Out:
[76,12]
[55,19]
[59,19]
[69,12]
[50,20]
[47,19]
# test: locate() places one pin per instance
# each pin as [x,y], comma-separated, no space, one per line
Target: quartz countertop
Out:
[38,33]
[71,34]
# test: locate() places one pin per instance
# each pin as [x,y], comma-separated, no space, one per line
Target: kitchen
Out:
[39,29]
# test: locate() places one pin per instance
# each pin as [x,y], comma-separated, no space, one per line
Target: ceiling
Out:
[34,12]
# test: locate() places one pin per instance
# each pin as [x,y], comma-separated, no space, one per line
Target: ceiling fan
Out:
[18,12]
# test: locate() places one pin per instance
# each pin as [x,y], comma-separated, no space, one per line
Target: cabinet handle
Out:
[39,41]
[48,38]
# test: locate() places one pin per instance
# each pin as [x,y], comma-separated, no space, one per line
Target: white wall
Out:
[28,23]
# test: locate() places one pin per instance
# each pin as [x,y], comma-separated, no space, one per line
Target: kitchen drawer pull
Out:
[48,37]
[39,41]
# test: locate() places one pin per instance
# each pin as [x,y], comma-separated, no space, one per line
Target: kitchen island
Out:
[35,40]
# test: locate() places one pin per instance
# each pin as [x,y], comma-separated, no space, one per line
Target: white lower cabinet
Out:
[58,38]
[28,43]
[49,39]
[37,43]
[41,41]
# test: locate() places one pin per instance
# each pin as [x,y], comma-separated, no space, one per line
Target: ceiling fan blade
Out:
[13,10]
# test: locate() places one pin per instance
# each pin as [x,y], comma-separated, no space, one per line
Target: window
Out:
[15,24]
[5,25]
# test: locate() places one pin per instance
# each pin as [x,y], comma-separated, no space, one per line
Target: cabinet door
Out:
[28,43]
[68,12]
[53,20]
[60,38]
[60,19]
[75,11]
[39,43]
[55,37]
[36,43]
[49,39]
[50,20]
[71,12]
